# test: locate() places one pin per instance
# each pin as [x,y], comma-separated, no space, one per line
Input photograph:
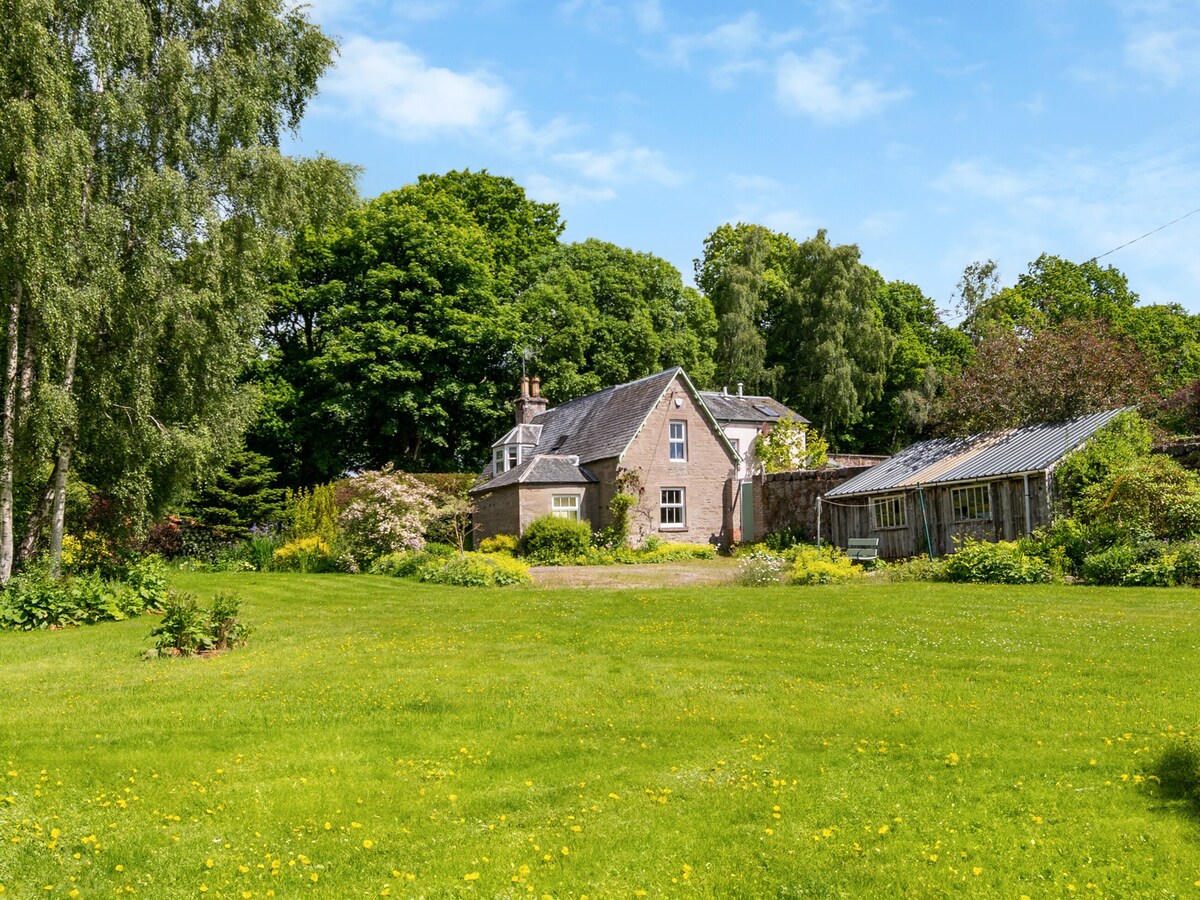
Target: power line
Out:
[1147,234]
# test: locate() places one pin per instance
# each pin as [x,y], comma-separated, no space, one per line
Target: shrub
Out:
[550,538]
[1109,566]
[184,629]
[386,511]
[310,554]
[147,580]
[187,628]
[778,541]
[1155,495]
[499,543]
[917,568]
[1002,562]
[673,551]
[761,567]
[312,511]
[616,533]
[95,600]
[825,565]
[404,564]
[32,599]
[1115,447]
[474,570]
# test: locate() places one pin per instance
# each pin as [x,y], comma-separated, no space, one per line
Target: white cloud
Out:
[1169,56]
[727,50]
[611,17]
[387,82]
[1079,205]
[552,190]
[815,86]
[624,163]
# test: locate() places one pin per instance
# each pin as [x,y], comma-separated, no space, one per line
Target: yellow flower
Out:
[883,829]
[368,844]
[471,876]
[978,870]
[566,851]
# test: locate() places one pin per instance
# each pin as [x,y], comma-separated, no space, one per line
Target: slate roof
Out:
[544,468]
[522,434]
[732,408]
[597,426]
[1033,448]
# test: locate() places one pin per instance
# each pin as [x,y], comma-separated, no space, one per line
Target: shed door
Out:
[748,511]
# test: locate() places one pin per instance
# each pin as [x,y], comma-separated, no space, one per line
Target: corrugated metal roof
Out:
[1033,448]
[732,408]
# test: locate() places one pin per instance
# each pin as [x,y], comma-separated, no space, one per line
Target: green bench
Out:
[865,550]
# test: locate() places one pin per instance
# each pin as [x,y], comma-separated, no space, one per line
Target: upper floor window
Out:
[505,458]
[678,441]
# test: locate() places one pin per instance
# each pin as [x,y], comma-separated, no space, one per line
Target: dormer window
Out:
[506,457]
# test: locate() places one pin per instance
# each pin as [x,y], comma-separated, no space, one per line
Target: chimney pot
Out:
[740,388]
[725,391]
[535,387]
[524,386]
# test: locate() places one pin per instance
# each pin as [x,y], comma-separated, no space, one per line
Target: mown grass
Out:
[382,738]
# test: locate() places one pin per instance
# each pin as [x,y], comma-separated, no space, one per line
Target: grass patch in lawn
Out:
[379,735]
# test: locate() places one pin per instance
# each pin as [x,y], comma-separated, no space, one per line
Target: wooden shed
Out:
[993,486]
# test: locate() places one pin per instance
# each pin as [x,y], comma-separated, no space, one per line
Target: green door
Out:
[747,511]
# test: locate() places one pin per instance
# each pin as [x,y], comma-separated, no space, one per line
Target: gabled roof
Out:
[1017,451]
[601,425]
[734,408]
[544,468]
[522,434]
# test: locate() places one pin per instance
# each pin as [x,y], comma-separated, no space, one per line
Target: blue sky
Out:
[930,134]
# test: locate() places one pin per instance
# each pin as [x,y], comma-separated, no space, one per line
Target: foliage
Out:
[407,563]
[310,554]
[551,537]
[499,543]
[1154,495]
[386,511]
[761,567]
[1118,445]
[1068,370]
[312,511]
[475,570]
[36,599]
[916,568]
[187,628]
[1144,564]
[144,196]
[600,315]
[822,565]
[1000,562]
[241,495]
[674,551]
[790,445]
[616,533]
[779,541]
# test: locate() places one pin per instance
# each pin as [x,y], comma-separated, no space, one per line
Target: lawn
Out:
[382,738]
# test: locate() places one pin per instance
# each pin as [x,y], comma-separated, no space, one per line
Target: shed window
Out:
[890,512]
[972,503]
[671,508]
[565,506]
[678,440]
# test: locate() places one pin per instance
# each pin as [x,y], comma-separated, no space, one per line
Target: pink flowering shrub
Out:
[385,512]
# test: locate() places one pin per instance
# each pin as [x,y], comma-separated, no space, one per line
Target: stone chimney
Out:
[531,402]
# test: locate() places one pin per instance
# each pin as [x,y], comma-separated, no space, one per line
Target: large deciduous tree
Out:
[1068,370]
[140,188]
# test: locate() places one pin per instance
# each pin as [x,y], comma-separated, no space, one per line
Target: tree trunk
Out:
[61,465]
[36,521]
[8,431]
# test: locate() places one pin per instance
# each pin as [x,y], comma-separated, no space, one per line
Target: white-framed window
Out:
[505,458]
[513,451]
[565,506]
[678,441]
[890,512]
[737,446]
[672,508]
[972,503]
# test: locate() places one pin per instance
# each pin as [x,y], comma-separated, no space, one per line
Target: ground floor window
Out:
[565,506]
[671,508]
[972,503]
[889,511]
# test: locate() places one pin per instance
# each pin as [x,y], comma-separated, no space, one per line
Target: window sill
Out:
[672,528]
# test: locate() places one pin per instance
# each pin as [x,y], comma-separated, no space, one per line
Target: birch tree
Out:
[141,191]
